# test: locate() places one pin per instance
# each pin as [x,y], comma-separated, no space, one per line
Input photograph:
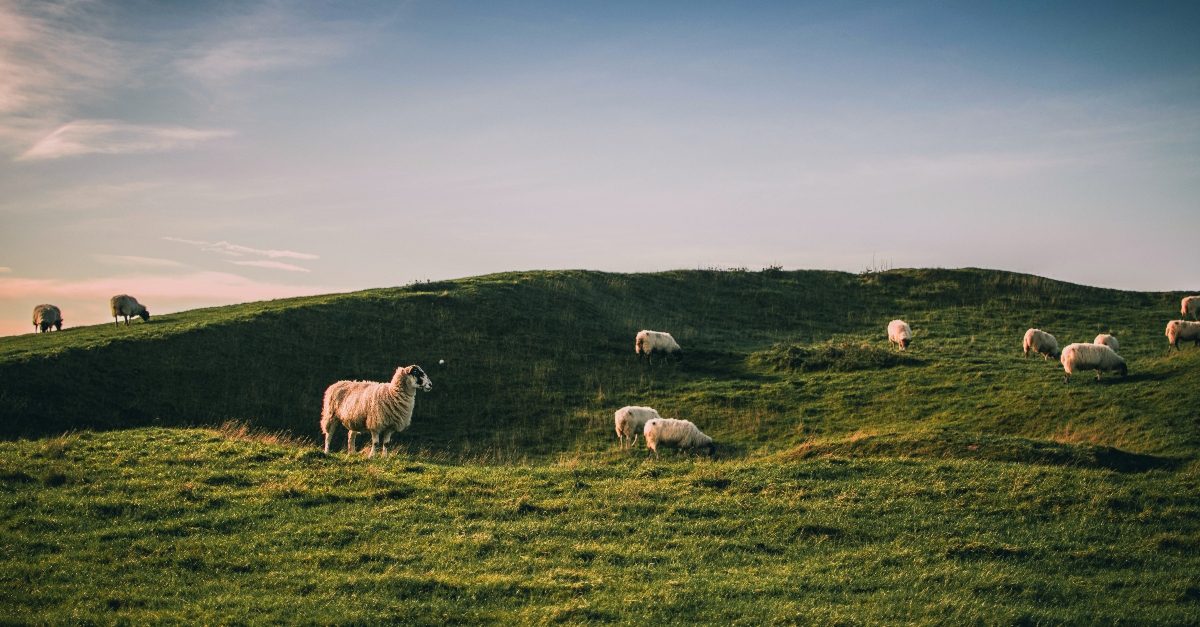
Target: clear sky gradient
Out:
[208,153]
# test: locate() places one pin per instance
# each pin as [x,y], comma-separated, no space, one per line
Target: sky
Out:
[207,153]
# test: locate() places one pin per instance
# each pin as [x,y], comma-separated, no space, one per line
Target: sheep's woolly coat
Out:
[381,408]
[1108,341]
[899,333]
[125,305]
[1096,357]
[46,316]
[673,433]
[1190,305]
[1183,330]
[651,342]
[1039,341]
[630,422]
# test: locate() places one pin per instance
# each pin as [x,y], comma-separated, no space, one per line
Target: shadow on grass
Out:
[983,447]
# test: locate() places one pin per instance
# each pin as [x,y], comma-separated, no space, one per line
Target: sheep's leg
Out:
[350,441]
[115,323]
[387,437]
[328,439]
[374,443]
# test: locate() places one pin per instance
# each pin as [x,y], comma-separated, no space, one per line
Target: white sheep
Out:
[899,333]
[1096,357]
[630,422]
[671,433]
[651,342]
[46,316]
[1039,341]
[1183,330]
[381,408]
[125,305]
[1190,305]
[1108,341]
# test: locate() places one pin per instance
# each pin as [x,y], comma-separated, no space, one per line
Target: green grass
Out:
[955,483]
[193,526]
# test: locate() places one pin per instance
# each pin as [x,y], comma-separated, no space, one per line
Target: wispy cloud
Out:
[113,137]
[232,59]
[278,265]
[4,269]
[131,260]
[236,250]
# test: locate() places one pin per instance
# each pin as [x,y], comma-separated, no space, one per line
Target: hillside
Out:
[536,362]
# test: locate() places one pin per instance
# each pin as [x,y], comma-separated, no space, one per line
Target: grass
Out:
[955,483]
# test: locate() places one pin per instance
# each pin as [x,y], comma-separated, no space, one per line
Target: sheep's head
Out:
[904,342]
[145,315]
[419,378]
[678,354]
[1123,369]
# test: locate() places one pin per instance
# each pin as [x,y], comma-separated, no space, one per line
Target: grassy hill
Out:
[537,362]
[956,483]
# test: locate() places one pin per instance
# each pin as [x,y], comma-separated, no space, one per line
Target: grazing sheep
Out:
[1190,305]
[124,305]
[681,434]
[1183,330]
[1096,357]
[1041,342]
[46,316]
[651,342]
[899,333]
[381,408]
[1108,341]
[630,422]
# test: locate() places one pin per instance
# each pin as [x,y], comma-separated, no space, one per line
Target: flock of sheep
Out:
[383,409]
[46,316]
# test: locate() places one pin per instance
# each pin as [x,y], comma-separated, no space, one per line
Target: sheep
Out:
[1190,305]
[1096,357]
[125,305]
[630,422]
[1039,341]
[46,316]
[899,333]
[1108,341]
[681,434]
[651,342]
[381,408]
[1183,330]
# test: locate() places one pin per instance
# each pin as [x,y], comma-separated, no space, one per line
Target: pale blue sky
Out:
[215,153]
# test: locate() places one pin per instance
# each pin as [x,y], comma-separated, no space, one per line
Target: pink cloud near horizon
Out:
[85,302]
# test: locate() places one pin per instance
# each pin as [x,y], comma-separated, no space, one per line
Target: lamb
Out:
[1041,342]
[1183,330]
[630,422]
[124,305]
[651,342]
[1108,341]
[899,333]
[1190,305]
[46,316]
[681,434]
[381,408]
[1096,357]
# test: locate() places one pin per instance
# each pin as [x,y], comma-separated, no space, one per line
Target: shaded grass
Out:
[162,525]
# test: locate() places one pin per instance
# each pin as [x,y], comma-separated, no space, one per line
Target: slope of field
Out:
[154,526]
[536,363]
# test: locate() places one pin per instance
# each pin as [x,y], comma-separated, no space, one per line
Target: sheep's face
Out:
[420,379]
[145,315]
[904,342]
[1123,369]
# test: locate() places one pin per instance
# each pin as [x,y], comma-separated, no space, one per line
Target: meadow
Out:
[169,472]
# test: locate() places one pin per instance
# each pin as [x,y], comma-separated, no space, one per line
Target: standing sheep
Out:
[899,333]
[1108,341]
[1096,357]
[680,434]
[630,422]
[1190,305]
[1183,330]
[125,305]
[381,408]
[651,342]
[1041,342]
[46,316]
